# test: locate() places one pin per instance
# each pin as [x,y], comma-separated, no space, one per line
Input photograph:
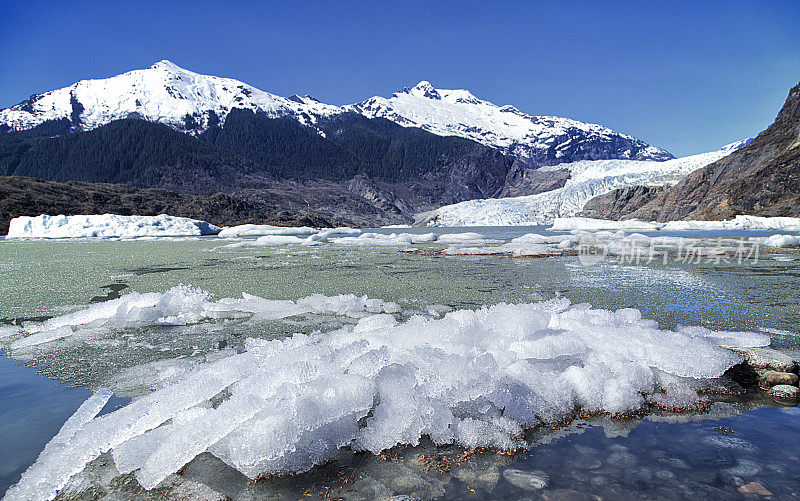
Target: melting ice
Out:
[475,378]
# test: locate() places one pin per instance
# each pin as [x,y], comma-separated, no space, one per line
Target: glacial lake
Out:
[709,453]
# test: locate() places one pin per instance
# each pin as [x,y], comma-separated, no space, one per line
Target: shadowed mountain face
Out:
[762,178]
[284,203]
[255,152]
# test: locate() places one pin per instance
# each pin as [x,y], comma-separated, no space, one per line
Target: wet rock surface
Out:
[771,378]
[784,391]
[528,480]
[766,359]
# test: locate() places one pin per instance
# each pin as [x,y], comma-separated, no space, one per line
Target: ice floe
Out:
[782,241]
[184,305]
[737,223]
[475,378]
[353,237]
[107,225]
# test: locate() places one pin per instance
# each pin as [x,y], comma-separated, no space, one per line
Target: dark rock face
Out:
[762,178]
[284,204]
[621,202]
[523,181]
[576,144]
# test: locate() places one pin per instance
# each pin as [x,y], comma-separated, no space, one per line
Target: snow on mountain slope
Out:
[542,140]
[162,93]
[588,179]
[192,102]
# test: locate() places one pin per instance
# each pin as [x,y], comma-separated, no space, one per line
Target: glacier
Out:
[475,378]
[106,226]
[588,179]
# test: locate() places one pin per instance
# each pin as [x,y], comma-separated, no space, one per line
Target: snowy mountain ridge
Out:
[163,93]
[191,102]
[536,139]
[588,179]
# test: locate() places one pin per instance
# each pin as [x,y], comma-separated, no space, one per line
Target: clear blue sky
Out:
[687,76]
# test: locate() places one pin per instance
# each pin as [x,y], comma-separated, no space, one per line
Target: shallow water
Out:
[49,278]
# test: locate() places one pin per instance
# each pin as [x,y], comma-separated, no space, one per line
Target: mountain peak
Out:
[166,64]
[424,89]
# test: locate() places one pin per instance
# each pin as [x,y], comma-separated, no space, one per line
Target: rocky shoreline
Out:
[768,369]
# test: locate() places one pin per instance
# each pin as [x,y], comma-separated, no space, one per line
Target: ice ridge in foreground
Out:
[475,378]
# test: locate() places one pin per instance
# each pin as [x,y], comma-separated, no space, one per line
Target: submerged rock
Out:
[754,488]
[785,392]
[745,468]
[622,460]
[566,495]
[769,379]
[528,480]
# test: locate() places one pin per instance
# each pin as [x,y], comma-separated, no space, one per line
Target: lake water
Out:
[708,454]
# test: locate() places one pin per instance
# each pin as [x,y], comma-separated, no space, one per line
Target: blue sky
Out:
[686,76]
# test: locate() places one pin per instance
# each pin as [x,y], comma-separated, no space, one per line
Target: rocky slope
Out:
[762,178]
[621,202]
[285,203]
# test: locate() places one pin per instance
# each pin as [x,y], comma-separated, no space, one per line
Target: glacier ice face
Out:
[473,377]
[588,179]
[107,225]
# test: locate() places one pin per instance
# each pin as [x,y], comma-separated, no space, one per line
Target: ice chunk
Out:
[782,241]
[41,480]
[255,230]
[472,377]
[107,225]
[383,239]
[185,305]
[585,223]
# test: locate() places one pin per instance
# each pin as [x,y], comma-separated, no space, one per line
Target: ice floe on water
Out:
[737,223]
[354,237]
[256,230]
[782,241]
[182,305]
[475,378]
[107,225]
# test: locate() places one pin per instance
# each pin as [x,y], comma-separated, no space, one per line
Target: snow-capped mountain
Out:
[191,102]
[588,179]
[535,140]
[163,93]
